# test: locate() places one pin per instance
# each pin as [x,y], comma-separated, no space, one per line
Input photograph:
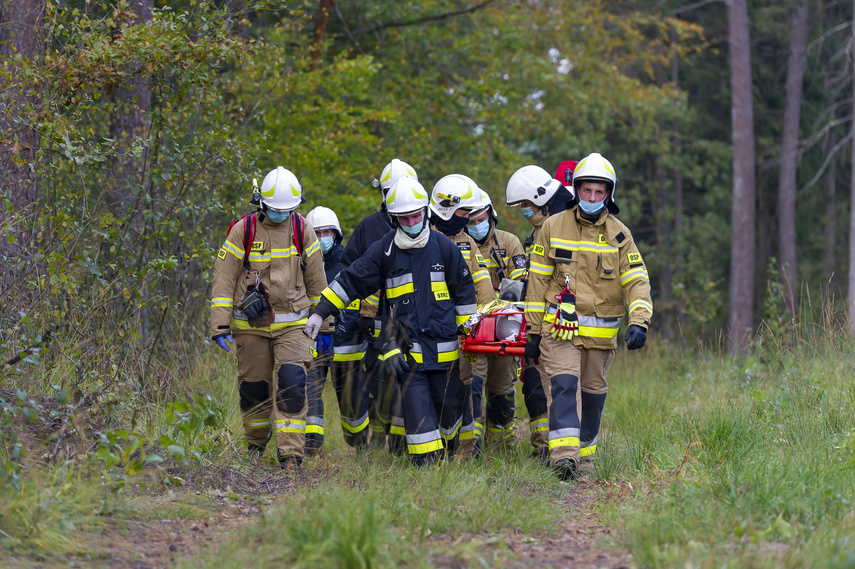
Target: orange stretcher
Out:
[497,330]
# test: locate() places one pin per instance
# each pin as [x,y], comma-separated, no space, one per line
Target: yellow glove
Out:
[566,323]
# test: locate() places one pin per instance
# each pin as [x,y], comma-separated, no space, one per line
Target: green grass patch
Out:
[51,508]
[375,510]
[735,463]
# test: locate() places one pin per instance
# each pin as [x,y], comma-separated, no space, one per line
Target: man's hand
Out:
[532,347]
[221,341]
[635,337]
[394,360]
[313,325]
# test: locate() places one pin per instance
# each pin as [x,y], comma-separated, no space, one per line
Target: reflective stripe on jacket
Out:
[431,287]
[472,256]
[507,249]
[370,230]
[274,258]
[603,267]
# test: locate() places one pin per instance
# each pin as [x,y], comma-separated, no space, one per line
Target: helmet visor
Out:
[410,218]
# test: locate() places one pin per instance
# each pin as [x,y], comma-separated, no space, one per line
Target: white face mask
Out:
[480,230]
[592,208]
[326,243]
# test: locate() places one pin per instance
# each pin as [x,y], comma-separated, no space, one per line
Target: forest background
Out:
[131,132]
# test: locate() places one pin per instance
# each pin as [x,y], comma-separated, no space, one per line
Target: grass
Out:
[735,463]
[52,507]
[705,461]
[375,510]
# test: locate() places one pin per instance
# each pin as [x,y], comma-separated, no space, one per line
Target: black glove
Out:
[394,359]
[366,326]
[532,347]
[254,302]
[635,337]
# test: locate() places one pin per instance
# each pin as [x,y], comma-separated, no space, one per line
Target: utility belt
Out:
[590,326]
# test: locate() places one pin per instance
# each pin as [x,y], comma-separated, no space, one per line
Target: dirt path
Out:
[585,540]
[152,541]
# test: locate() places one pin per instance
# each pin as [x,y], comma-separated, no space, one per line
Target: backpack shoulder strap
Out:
[248,237]
[298,226]
[500,263]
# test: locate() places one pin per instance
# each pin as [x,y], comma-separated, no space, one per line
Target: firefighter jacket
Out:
[274,260]
[600,264]
[332,266]
[429,288]
[561,201]
[369,231]
[503,254]
[472,256]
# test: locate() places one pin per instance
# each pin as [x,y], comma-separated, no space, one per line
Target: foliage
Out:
[380,511]
[736,462]
[108,300]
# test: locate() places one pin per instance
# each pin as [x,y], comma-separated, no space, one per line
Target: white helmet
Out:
[393,171]
[407,195]
[280,190]
[595,168]
[454,192]
[486,202]
[324,218]
[531,183]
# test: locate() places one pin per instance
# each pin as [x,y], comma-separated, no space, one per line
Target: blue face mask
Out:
[277,217]
[527,211]
[326,243]
[415,229]
[592,208]
[480,230]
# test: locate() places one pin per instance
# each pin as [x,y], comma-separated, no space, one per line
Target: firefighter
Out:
[357,329]
[584,265]
[427,290]
[538,196]
[328,230]
[505,260]
[453,198]
[261,295]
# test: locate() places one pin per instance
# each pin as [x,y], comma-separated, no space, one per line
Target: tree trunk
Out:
[663,246]
[740,317]
[789,158]
[129,122]
[324,10]
[677,251]
[851,296]
[21,33]
[830,218]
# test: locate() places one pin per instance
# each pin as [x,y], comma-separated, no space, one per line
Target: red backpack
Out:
[249,221]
